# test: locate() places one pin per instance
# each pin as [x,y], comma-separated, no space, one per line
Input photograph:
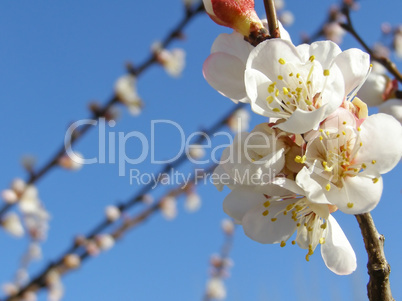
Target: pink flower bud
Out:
[237,14]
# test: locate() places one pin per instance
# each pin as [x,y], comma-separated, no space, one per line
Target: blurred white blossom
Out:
[126,92]
[287,18]
[239,121]
[169,207]
[392,107]
[112,213]
[216,288]
[12,224]
[173,60]
[105,241]
[73,161]
[397,43]
[227,226]
[72,261]
[193,202]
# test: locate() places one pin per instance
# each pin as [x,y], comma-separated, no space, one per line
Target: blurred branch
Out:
[129,223]
[103,111]
[127,205]
[386,62]
[378,287]
[224,257]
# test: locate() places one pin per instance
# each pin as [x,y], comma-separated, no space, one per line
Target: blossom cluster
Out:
[320,148]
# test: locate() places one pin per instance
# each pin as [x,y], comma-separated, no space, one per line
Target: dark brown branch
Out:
[378,287]
[386,62]
[273,25]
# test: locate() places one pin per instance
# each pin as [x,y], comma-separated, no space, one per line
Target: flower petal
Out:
[262,229]
[265,57]
[313,190]
[354,65]
[324,52]
[239,201]
[225,73]
[337,252]
[233,44]
[381,136]
[358,195]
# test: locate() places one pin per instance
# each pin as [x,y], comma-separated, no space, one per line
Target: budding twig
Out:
[378,287]
[39,281]
[103,111]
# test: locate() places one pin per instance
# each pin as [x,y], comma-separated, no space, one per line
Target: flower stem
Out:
[272,19]
[378,268]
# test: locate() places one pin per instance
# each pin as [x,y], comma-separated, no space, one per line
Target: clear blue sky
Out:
[56,56]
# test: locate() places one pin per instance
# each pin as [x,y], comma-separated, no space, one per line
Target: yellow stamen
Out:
[282,61]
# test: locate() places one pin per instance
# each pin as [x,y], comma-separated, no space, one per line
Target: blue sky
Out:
[56,57]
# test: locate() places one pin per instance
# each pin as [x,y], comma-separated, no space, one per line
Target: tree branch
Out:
[386,62]
[103,111]
[378,287]
[273,25]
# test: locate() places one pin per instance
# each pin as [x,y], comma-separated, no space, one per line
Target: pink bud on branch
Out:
[237,14]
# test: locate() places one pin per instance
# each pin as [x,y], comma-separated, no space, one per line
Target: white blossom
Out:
[302,85]
[224,68]
[196,151]
[392,107]
[9,196]
[126,92]
[193,202]
[72,162]
[12,224]
[216,289]
[239,121]
[173,60]
[105,241]
[169,207]
[112,213]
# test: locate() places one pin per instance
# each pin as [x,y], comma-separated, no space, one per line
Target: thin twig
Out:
[129,223]
[386,62]
[378,287]
[273,24]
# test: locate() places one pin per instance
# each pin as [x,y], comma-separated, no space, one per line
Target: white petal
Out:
[381,136]
[233,44]
[354,65]
[238,202]
[324,52]
[301,122]
[359,191]
[262,229]
[265,57]
[313,190]
[373,89]
[337,252]
[225,73]
[392,107]
[256,87]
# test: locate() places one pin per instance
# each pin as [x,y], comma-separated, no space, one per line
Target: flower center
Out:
[294,90]
[310,226]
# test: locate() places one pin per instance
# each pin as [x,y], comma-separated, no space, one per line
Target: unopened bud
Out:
[237,14]
[72,261]
[9,196]
[112,213]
